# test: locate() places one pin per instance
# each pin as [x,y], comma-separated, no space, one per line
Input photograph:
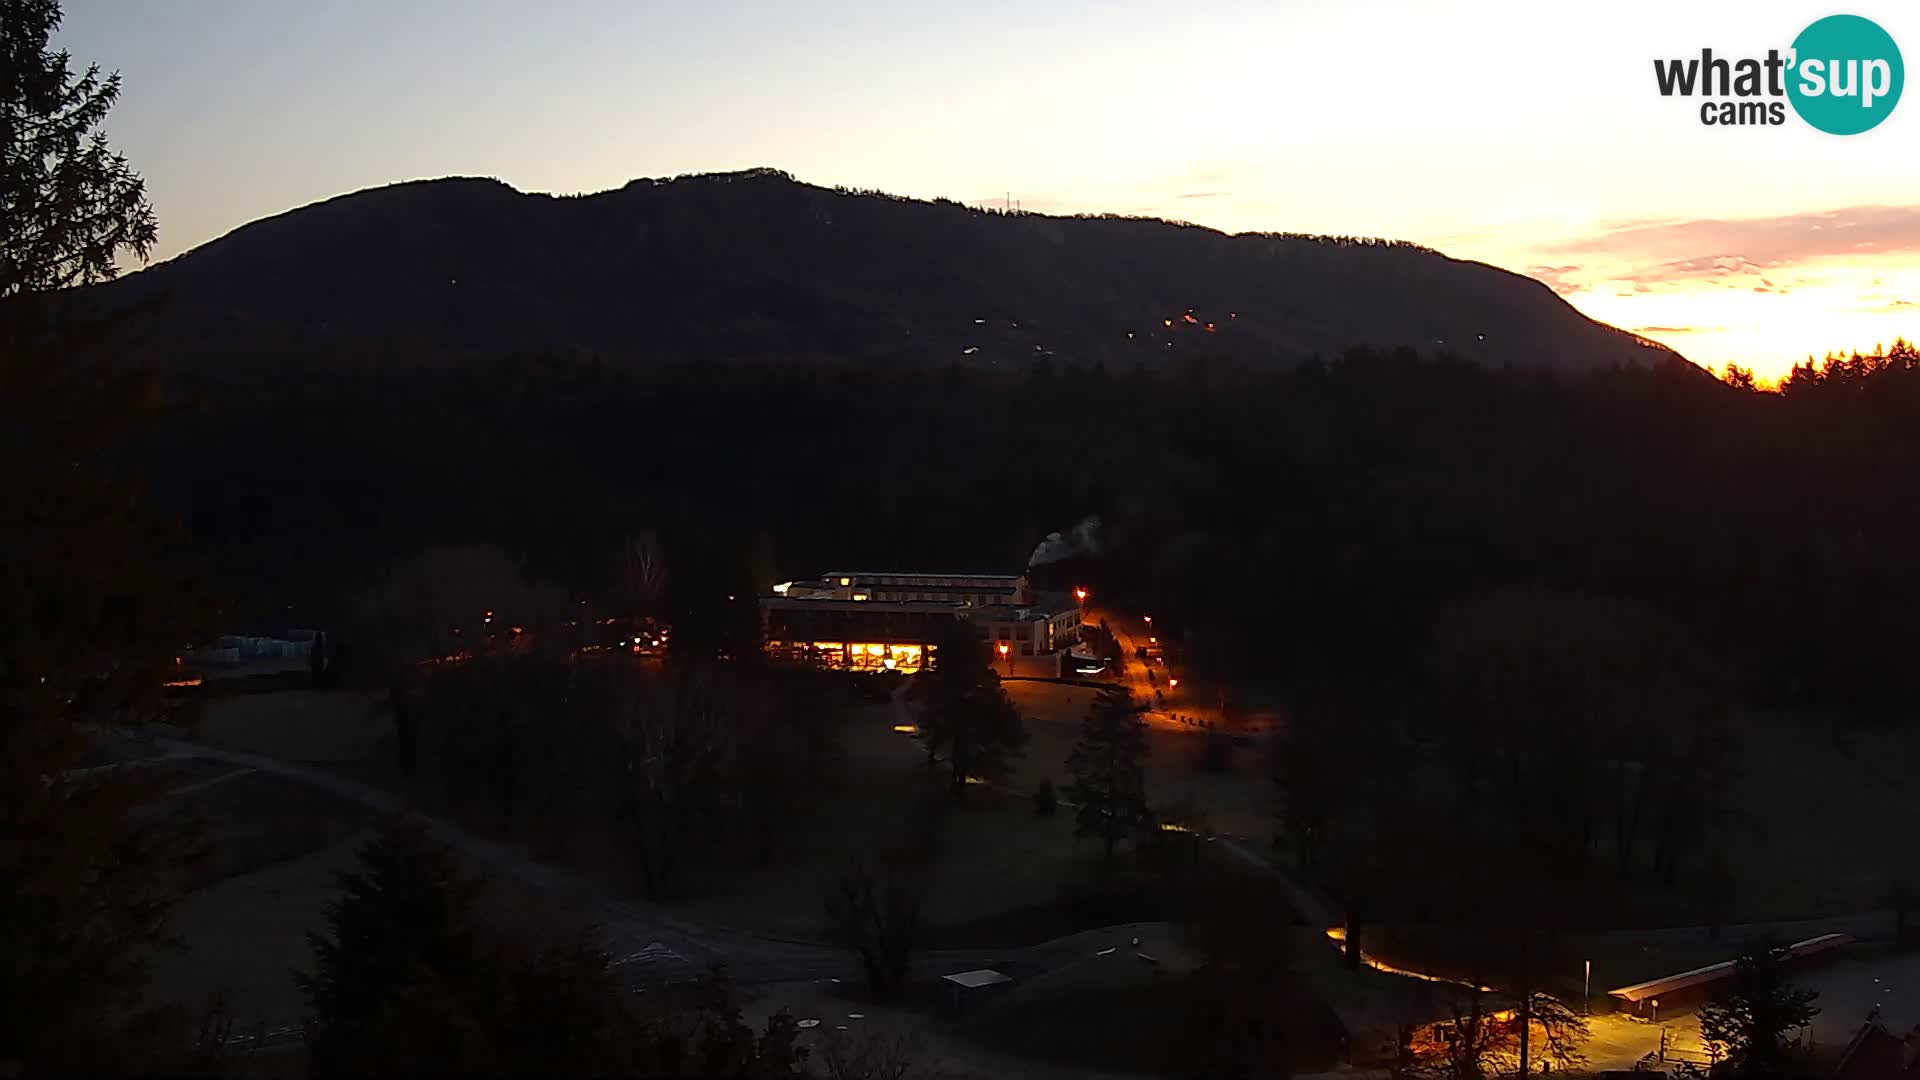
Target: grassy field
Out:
[1820,822]
[1813,825]
[1239,802]
[299,725]
[998,855]
[244,937]
[1810,821]
[254,820]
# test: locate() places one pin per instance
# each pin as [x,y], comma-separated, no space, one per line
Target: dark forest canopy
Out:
[758,266]
[1319,516]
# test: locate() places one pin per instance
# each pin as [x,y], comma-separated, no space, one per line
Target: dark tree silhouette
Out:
[1237,1016]
[965,714]
[1750,1024]
[410,979]
[404,933]
[94,611]
[1108,766]
[876,910]
[1301,771]
[641,584]
[673,739]
[1046,801]
[69,205]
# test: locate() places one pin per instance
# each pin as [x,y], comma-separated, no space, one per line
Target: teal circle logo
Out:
[1846,76]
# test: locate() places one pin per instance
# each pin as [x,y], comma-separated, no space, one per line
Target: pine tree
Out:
[93,613]
[1748,1024]
[967,714]
[410,980]
[69,204]
[1109,770]
[403,937]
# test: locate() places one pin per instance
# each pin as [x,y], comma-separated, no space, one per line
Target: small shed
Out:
[967,987]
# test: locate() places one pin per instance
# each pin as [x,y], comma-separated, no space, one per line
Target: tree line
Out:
[1366,494]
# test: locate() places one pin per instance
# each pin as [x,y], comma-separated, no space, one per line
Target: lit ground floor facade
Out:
[894,622]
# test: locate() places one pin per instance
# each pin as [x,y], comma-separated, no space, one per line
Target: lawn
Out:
[1822,817]
[244,937]
[1002,871]
[1114,1011]
[299,725]
[255,819]
[1239,802]
[1811,820]
[998,856]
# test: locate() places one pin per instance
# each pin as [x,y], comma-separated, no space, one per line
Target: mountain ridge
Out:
[756,266]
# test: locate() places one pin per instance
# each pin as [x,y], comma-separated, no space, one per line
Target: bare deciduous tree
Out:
[672,740]
[876,909]
[867,1056]
[641,581]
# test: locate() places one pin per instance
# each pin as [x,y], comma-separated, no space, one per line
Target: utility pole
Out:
[1526,1006]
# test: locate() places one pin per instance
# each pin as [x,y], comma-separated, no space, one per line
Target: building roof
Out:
[1054,601]
[1713,973]
[973,980]
[834,603]
[869,574]
[915,586]
[1025,613]
[1878,1054]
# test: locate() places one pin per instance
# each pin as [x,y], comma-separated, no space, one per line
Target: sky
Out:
[1529,135]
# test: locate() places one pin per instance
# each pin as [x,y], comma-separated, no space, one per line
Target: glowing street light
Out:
[1149,619]
[1173,684]
[1006,653]
[1080,594]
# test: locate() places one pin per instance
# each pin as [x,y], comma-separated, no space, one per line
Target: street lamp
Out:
[1173,684]
[1006,653]
[1080,594]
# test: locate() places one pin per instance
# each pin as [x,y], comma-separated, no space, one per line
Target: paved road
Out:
[1131,632]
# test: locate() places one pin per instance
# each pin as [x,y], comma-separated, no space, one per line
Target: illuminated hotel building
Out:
[892,621]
